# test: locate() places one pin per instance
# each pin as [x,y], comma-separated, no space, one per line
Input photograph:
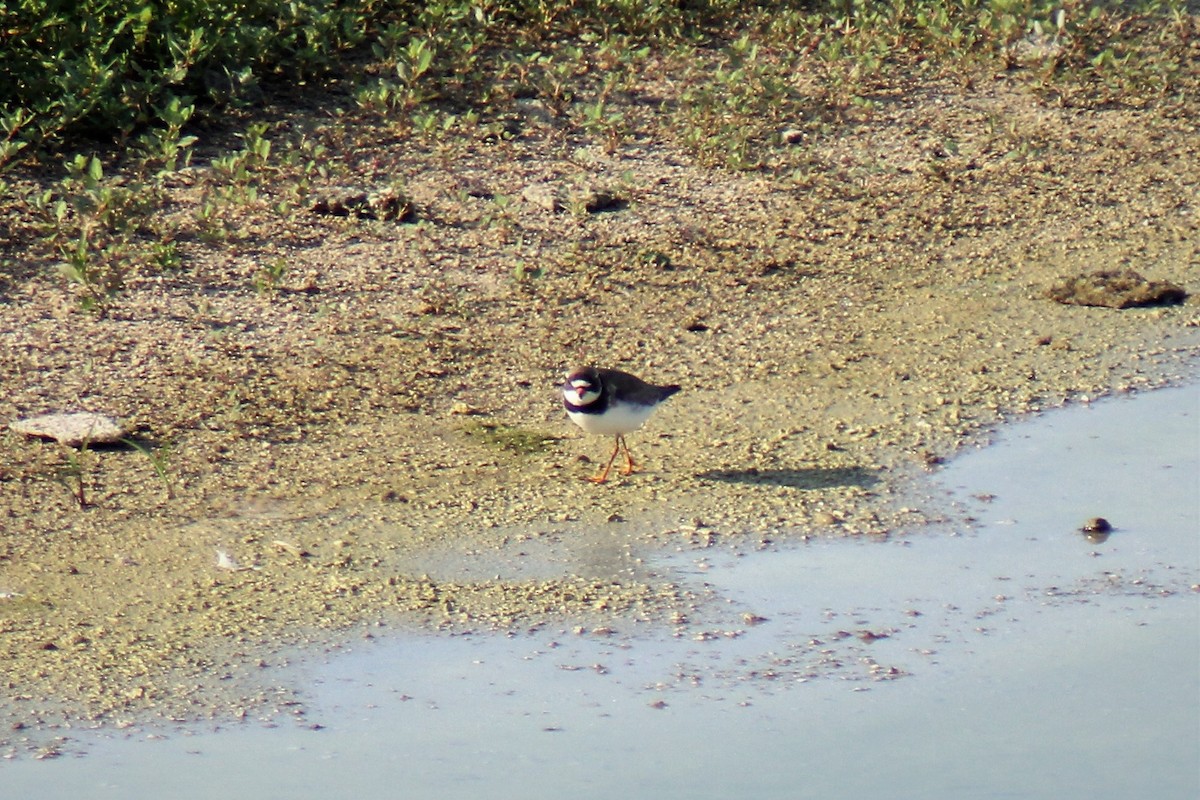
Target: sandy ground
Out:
[379,440]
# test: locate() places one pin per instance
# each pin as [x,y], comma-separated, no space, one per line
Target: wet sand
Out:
[353,439]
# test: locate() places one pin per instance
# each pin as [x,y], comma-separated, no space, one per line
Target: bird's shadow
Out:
[810,478]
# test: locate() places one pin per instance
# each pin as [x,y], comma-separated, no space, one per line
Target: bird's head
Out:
[582,386]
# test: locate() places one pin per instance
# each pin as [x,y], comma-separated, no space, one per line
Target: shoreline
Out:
[391,406]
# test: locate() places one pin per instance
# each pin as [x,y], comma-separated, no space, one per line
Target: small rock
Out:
[1122,288]
[75,429]
[826,519]
[543,196]
[1096,529]
[289,547]
[1036,48]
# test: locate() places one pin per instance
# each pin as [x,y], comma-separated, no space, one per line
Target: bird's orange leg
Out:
[630,465]
[603,476]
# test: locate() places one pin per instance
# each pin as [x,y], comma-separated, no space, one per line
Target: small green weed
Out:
[409,64]
[269,278]
[160,460]
[500,213]
[74,475]
[165,256]
[606,124]
[237,172]
[525,275]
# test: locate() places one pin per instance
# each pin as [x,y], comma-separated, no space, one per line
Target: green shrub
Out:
[104,68]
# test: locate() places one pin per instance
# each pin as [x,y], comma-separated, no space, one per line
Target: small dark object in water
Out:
[1096,529]
[1121,288]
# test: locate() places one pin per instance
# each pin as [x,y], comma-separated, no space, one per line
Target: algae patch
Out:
[510,438]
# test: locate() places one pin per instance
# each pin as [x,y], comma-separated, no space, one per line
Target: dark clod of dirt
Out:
[385,204]
[556,198]
[598,200]
[1116,289]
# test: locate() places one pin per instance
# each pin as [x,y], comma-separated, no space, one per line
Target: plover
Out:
[611,403]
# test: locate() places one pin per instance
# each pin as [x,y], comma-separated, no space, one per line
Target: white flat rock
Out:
[75,429]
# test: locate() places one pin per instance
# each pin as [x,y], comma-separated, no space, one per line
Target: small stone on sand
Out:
[75,429]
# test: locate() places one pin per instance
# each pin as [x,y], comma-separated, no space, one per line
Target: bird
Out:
[612,403]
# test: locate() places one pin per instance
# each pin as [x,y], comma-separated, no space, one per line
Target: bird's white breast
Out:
[618,419]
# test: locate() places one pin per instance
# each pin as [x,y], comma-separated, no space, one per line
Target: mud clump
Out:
[1116,289]
[385,204]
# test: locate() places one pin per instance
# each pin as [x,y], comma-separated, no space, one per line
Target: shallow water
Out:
[1016,659]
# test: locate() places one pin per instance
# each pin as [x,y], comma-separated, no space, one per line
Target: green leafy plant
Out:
[103,68]
[604,123]
[405,89]
[269,278]
[165,145]
[525,275]
[91,223]
[237,172]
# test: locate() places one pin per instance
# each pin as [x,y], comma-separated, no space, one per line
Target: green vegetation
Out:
[159,456]
[511,438]
[74,475]
[109,69]
[102,104]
